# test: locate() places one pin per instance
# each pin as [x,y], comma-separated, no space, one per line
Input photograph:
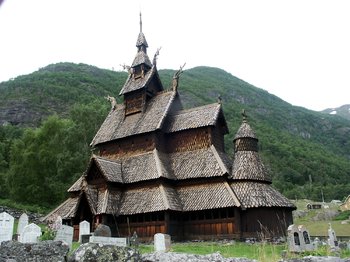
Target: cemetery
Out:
[160,183]
[298,243]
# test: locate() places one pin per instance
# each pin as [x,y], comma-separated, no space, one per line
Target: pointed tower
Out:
[143,82]
[264,209]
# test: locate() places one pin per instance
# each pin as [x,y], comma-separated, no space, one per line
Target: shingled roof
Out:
[247,165]
[207,196]
[147,166]
[133,84]
[245,131]
[110,169]
[66,210]
[201,116]
[149,199]
[116,125]
[141,58]
[253,195]
[198,163]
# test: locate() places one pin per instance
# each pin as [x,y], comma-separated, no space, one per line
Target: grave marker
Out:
[65,234]
[30,233]
[6,226]
[305,242]
[332,238]
[116,241]
[84,229]
[22,222]
[162,242]
[293,239]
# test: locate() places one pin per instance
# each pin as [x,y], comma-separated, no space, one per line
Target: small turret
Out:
[247,164]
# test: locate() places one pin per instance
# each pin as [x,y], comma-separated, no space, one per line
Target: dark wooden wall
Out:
[265,222]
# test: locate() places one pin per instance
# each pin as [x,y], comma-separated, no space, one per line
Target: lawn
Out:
[263,252]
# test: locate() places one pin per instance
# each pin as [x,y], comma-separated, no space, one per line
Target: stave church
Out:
[159,168]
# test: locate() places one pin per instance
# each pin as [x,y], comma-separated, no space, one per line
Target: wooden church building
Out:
[159,168]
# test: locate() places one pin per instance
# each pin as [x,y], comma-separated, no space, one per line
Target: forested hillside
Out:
[306,152]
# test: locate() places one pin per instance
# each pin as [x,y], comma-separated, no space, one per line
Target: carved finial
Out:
[156,56]
[127,68]
[113,102]
[177,76]
[244,116]
[219,99]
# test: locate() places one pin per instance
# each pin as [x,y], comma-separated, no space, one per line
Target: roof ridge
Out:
[232,193]
[218,158]
[183,111]
[164,196]
[167,109]
[158,162]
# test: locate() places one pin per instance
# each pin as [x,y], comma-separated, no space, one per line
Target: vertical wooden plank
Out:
[224,228]
[230,228]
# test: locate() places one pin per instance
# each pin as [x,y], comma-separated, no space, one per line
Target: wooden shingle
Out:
[116,125]
[253,195]
[193,118]
[206,196]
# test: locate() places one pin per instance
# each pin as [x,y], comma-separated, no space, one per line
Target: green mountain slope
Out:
[343,111]
[306,151]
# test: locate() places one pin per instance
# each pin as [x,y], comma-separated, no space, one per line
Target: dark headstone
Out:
[85,238]
[102,231]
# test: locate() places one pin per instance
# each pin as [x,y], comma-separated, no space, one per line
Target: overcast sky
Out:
[298,50]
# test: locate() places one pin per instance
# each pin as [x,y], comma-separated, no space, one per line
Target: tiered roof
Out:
[251,180]
[195,178]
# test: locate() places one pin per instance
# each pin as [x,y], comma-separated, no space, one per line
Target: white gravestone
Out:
[293,239]
[162,242]
[6,226]
[31,233]
[305,242]
[65,234]
[116,241]
[332,238]
[22,222]
[84,229]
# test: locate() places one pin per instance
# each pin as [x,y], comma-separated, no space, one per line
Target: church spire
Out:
[140,22]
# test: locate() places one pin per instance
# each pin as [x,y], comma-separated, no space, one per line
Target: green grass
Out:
[320,228]
[263,252]
[260,251]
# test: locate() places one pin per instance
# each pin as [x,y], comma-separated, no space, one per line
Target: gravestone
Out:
[30,234]
[102,231]
[317,243]
[134,240]
[22,222]
[332,238]
[162,242]
[6,226]
[293,239]
[115,241]
[65,234]
[305,242]
[84,229]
